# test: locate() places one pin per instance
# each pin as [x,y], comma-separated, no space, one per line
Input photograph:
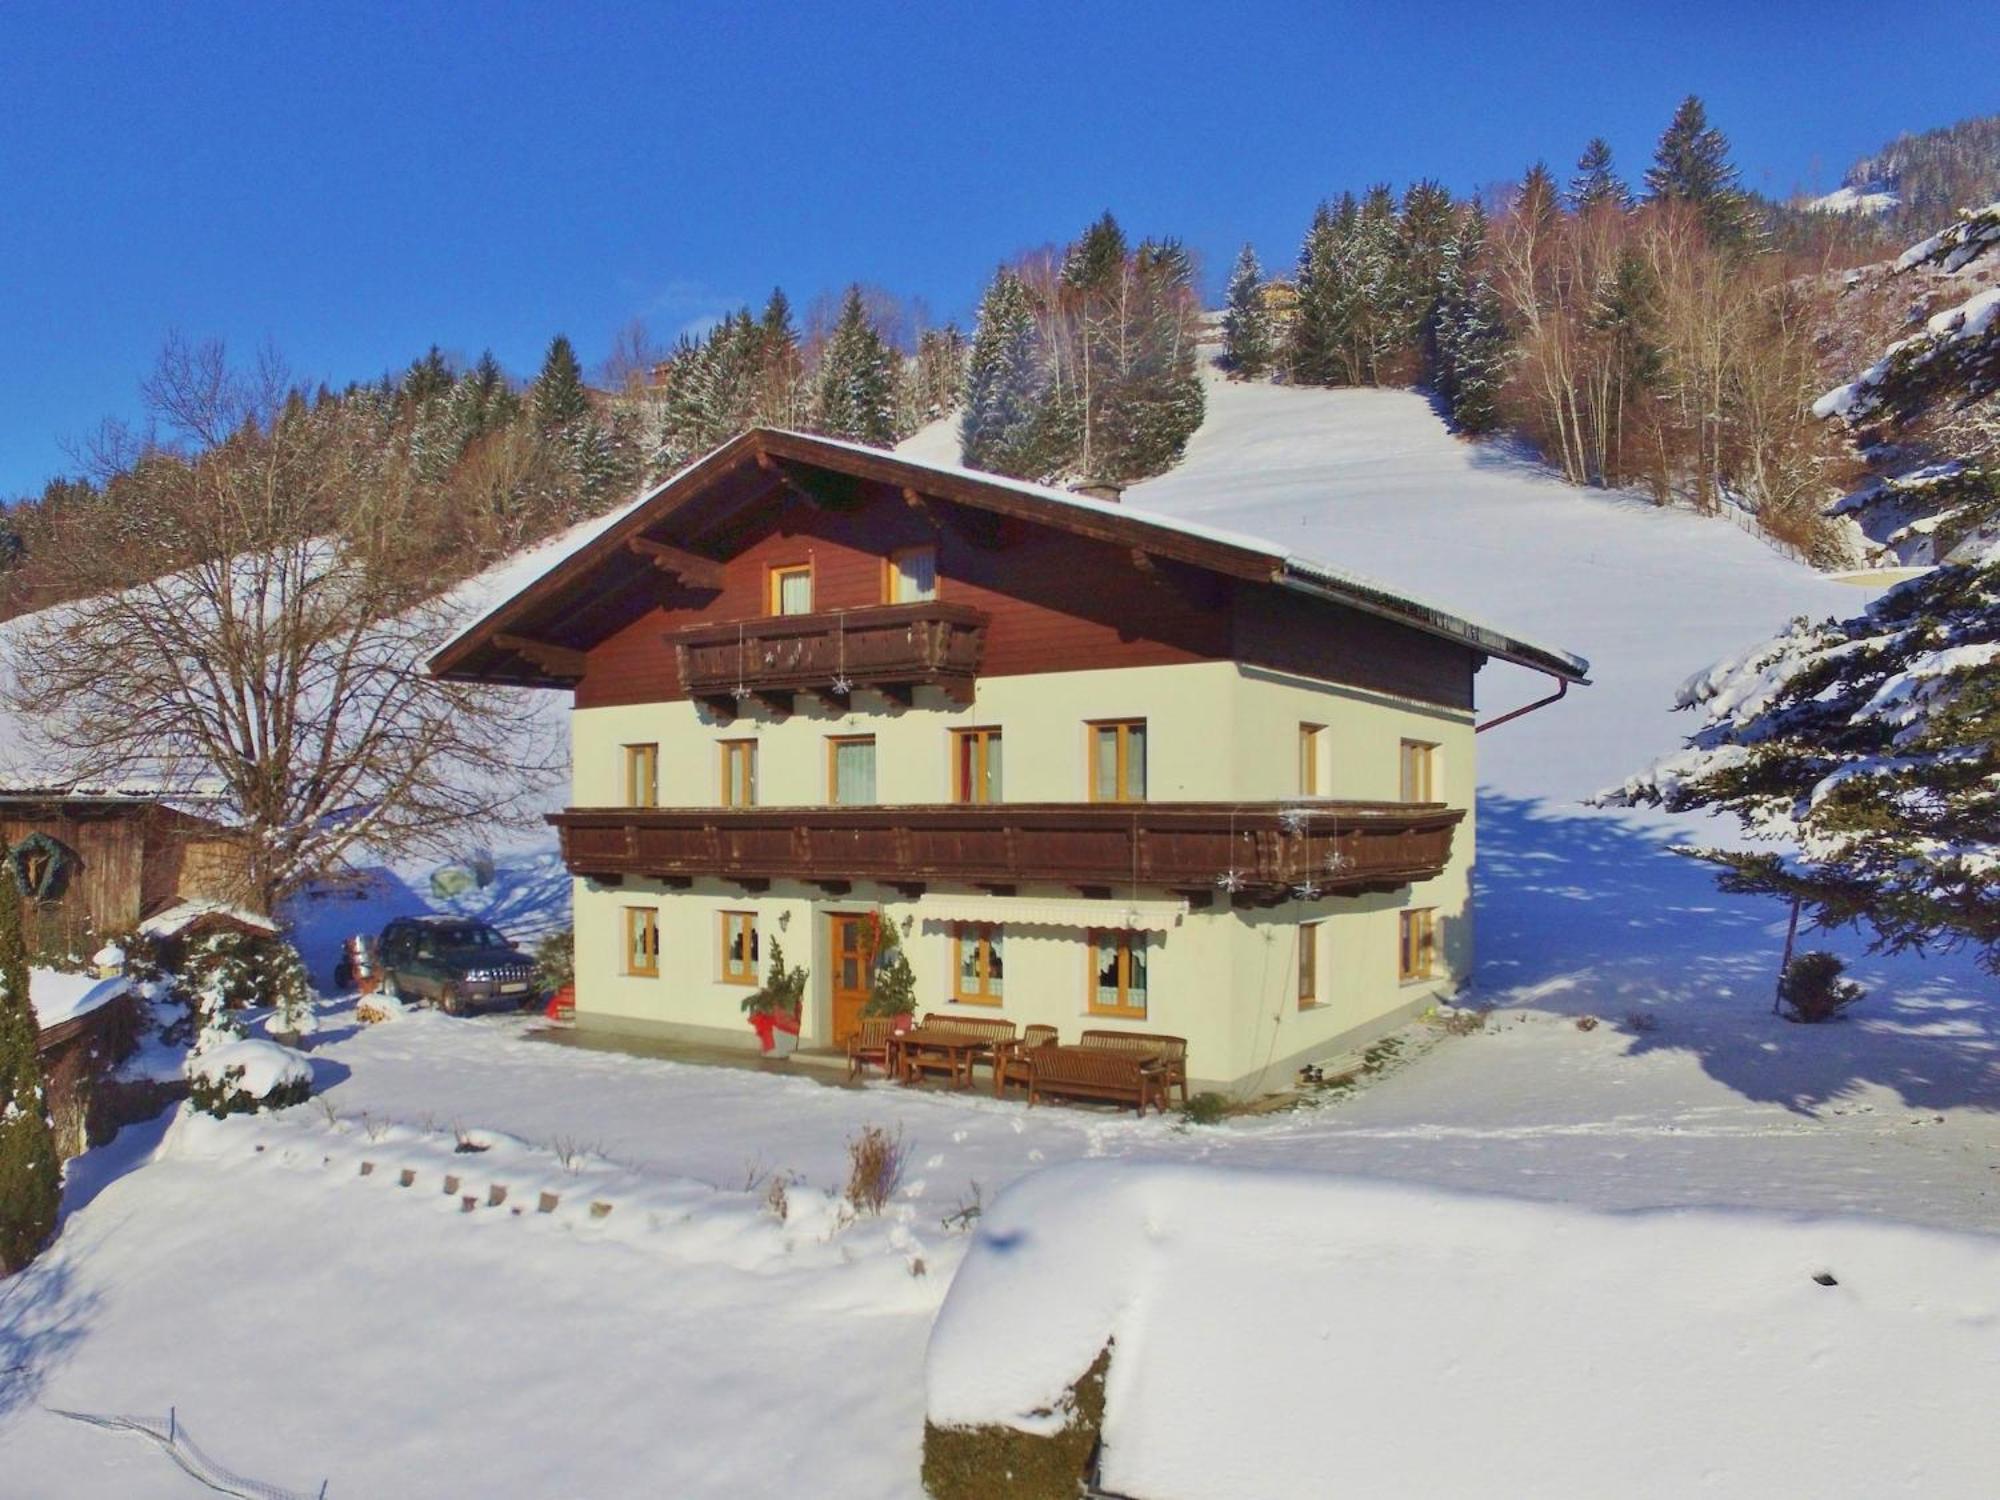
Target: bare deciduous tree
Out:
[274,652]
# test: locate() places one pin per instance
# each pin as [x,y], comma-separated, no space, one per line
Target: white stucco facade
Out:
[1227,979]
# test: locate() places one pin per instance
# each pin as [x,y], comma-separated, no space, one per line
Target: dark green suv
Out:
[455,964]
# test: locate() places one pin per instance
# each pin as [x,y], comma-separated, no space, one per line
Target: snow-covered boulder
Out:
[246,1075]
[1290,1333]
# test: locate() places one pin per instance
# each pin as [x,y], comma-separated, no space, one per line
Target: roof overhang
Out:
[509,644]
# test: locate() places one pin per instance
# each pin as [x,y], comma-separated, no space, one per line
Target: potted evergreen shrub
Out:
[775,1008]
[892,987]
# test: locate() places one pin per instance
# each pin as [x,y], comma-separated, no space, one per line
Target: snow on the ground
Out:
[1403,1342]
[60,995]
[389,1341]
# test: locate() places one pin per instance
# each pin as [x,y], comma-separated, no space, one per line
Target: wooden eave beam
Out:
[694,571]
[556,661]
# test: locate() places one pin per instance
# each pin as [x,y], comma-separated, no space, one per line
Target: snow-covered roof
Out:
[60,996]
[1286,569]
[178,919]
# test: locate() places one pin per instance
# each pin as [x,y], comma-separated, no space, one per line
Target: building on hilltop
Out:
[1099,768]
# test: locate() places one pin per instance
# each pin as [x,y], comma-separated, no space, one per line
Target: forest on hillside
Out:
[1670,333]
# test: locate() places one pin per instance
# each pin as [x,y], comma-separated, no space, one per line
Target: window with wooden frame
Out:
[975,765]
[1308,965]
[739,947]
[642,775]
[1419,771]
[1418,956]
[642,942]
[978,967]
[850,770]
[1118,760]
[909,575]
[1118,974]
[739,773]
[1309,739]
[792,589]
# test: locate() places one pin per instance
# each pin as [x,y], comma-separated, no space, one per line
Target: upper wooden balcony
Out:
[1254,853]
[892,649]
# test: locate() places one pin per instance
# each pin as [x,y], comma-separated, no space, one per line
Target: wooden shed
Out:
[93,866]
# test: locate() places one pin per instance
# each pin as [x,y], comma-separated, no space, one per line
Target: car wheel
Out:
[390,991]
[450,1002]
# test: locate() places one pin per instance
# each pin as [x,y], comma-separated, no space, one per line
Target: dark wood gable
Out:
[1054,587]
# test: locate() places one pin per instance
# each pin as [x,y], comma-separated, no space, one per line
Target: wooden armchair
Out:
[1011,1063]
[1170,1050]
[869,1045]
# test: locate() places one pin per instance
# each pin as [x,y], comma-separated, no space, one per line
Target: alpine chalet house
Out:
[1099,768]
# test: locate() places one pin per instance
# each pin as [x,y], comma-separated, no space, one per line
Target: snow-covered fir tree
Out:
[1006,382]
[1315,352]
[1872,744]
[855,389]
[1596,184]
[1246,325]
[30,1185]
[558,396]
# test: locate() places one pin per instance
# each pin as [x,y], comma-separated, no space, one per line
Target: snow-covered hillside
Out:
[402,1330]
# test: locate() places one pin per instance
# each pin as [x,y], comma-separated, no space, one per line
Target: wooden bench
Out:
[997,1035]
[1010,1064]
[1116,1076]
[1170,1050]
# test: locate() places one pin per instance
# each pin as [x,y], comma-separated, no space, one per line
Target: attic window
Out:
[792,589]
[912,575]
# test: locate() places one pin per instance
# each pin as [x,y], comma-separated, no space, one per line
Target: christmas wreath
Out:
[41,866]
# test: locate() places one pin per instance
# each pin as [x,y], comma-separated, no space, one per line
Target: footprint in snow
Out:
[958,1137]
[935,1162]
[915,1189]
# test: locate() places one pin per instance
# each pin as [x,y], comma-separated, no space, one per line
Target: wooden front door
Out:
[852,954]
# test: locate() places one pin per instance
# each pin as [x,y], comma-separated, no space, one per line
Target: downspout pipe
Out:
[1562,687]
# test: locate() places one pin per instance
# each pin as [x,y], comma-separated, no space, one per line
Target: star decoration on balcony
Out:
[739,692]
[1230,880]
[1336,862]
[1293,819]
[1306,890]
[842,686]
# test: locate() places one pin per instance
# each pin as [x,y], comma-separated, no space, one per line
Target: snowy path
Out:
[308,1326]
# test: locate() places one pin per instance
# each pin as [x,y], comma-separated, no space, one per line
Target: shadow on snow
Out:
[1581,913]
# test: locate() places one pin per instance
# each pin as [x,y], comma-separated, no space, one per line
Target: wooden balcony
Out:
[1256,853]
[892,649]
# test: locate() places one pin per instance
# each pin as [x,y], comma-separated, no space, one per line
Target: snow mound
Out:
[266,1066]
[1273,1330]
[176,920]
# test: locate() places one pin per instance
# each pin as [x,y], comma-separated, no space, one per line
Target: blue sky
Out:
[351,182]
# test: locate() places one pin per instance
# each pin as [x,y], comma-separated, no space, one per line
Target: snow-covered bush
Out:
[244,1075]
[1812,990]
[230,970]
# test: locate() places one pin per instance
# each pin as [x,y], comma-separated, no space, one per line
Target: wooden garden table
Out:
[959,1050]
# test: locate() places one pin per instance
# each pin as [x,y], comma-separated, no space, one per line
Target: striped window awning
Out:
[1052,911]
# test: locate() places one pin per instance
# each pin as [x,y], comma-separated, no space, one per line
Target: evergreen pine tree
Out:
[1151,401]
[1596,184]
[856,385]
[1480,347]
[778,398]
[428,378]
[1005,383]
[1426,233]
[30,1186]
[1316,351]
[1691,165]
[1246,326]
[558,396]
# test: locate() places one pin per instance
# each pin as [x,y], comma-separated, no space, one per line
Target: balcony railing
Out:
[1257,853]
[891,649]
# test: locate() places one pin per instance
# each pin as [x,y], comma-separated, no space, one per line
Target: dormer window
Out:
[792,589]
[911,576]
